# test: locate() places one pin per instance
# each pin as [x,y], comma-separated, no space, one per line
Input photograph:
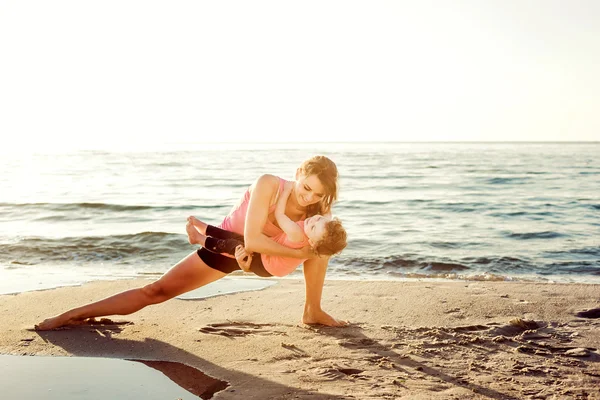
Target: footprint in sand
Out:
[293,348]
[453,310]
[334,373]
[593,313]
[515,327]
[239,329]
[362,343]
[471,328]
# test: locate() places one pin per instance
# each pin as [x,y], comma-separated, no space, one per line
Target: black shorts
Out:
[228,265]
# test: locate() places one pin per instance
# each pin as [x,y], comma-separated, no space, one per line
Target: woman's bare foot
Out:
[56,322]
[321,318]
[200,226]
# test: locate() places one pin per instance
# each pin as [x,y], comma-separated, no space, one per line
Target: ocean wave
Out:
[392,263]
[482,277]
[62,207]
[593,251]
[362,204]
[505,181]
[415,263]
[496,260]
[573,267]
[403,268]
[454,245]
[535,235]
[523,214]
[116,248]
[456,206]
[369,177]
[470,268]
[445,266]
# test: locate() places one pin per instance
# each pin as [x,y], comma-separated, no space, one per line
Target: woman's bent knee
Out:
[155,293]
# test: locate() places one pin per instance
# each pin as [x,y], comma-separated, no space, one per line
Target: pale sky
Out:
[101,74]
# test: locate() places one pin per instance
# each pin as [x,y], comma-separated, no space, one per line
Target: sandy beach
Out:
[413,340]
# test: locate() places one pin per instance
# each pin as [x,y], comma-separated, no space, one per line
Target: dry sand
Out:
[413,340]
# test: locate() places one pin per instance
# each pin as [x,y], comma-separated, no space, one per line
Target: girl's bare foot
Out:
[194,237]
[200,226]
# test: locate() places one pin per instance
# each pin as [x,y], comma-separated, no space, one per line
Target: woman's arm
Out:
[292,230]
[262,193]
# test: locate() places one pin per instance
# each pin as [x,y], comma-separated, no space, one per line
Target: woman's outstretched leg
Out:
[188,274]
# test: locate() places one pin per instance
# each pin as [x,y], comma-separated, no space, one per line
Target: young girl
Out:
[325,236]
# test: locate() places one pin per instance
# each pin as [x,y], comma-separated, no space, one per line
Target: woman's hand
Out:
[244,259]
[308,253]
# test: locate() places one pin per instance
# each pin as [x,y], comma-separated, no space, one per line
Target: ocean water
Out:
[489,211]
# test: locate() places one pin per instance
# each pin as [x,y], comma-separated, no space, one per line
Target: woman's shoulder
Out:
[267,183]
[267,180]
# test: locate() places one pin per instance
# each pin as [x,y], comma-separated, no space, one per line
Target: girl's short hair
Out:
[334,239]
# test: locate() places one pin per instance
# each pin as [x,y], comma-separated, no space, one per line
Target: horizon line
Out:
[399,141]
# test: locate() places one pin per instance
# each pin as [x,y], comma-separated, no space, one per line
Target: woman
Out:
[315,190]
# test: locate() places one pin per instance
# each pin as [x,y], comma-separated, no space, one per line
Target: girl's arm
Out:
[291,229]
[262,193]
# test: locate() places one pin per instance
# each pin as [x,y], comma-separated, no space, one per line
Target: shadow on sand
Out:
[182,367]
[475,342]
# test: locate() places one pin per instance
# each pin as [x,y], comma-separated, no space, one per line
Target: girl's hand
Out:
[244,259]
[285,194]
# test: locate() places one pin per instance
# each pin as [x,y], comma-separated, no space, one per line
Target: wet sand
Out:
[414,340]
[87,378]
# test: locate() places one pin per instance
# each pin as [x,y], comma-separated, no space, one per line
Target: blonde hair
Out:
[326,170]
[334,239]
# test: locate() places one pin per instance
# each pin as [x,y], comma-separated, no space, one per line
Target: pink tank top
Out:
[281,266]
[235,221]
[275,265]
